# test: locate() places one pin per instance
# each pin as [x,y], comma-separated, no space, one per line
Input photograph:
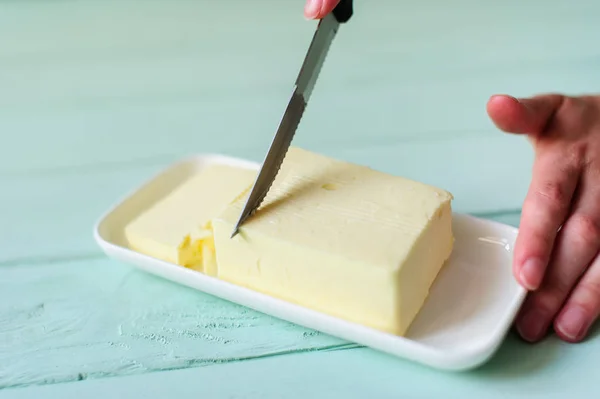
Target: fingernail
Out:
[531,274]
[312,8]
[495,96]
[573,323]
[531,325]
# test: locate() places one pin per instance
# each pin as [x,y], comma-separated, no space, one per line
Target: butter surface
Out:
[340,238]
[177,228]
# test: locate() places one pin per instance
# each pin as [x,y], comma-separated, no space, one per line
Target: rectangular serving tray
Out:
[469,310]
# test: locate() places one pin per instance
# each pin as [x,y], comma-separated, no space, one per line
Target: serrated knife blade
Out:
[305,82]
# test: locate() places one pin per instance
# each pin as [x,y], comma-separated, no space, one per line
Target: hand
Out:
[557,253]
[317,9]
[557,250]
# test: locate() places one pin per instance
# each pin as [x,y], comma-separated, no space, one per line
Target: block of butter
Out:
[177,228]
[340,238]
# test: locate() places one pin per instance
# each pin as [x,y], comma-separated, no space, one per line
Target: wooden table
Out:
[96,96]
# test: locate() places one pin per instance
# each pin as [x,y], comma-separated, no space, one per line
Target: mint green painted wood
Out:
[60,224]
[93,318]
[52,214]
[549,370]
[97,96]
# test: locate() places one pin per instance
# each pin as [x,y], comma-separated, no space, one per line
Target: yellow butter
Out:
[342,239]
[177,228]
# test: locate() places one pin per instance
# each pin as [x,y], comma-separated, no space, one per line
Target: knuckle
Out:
[560,281]
[547,300]
[587,296]
[553,194]
[586,228]
[574,158]
[572,111]
[590,289]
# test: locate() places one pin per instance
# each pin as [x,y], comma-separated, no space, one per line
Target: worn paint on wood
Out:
[70,321]
[96,96]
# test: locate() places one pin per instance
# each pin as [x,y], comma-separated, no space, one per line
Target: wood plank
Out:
[69,321]
[549,370]
[51,214]
[172,77]
[98,95]
[68,313]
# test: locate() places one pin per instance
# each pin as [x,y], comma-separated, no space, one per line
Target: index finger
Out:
[316,9]
[545,208]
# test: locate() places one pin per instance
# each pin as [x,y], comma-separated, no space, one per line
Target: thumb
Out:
[316,9]
[524,116]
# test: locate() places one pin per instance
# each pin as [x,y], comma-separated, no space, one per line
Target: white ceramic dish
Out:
[465,318]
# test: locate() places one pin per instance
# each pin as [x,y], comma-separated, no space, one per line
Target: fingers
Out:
[576,246]
[316,9]
[582,308]
[526,116]
[545,208]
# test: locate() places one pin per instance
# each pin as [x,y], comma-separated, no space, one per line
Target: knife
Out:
[305,82]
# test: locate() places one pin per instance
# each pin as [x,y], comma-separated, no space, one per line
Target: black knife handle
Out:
[343,11]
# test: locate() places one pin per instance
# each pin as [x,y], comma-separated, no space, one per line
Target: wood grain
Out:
[97,96]
[172,79]
[69,321]
[549,370]
[51,214]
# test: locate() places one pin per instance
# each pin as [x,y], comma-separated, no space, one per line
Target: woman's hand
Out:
[317,9]
[557,249]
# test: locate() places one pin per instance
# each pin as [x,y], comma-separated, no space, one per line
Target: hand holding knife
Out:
[309,72]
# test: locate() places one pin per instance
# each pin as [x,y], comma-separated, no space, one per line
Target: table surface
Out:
[96,96]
